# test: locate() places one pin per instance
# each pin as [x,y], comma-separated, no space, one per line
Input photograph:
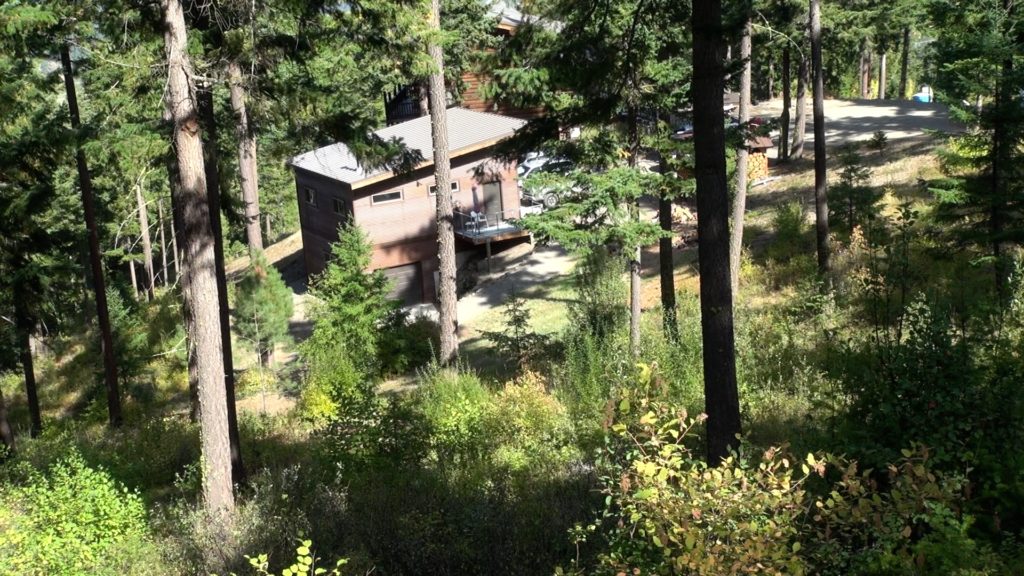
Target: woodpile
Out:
[757,165]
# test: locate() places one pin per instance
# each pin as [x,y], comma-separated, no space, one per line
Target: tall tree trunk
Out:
[787,103]
[95,262]
[163,240]
[882,76]
[198,239]
[1001,146]
[904,63]
[720,392]
[771,78]
[739,206]
[865,69]
[423,90]
[247,167]
[820,177]
[131,272]
[666,264]
[24,325]
[177,226]
[635,308]
[800,122]
[212,164]
[445,210]
[267,232]
[147,244]
[6,432]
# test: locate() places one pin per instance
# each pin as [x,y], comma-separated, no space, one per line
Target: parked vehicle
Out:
[541,164]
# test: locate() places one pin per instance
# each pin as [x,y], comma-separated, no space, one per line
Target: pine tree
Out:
[721,396]
[197,236]
[263,307]
[820,177]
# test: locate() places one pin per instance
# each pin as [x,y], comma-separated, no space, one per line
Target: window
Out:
[385,197]
[339,206]
[310,195]
[433,188]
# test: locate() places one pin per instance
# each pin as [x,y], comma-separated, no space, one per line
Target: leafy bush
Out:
[407,343]
[73,520]
[517,343]
[456,407]
[531,429]
[335,387]
[667,512]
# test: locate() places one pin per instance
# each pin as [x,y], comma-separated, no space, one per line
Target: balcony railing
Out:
[483,225]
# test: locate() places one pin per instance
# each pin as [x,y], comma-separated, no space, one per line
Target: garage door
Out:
[406,283]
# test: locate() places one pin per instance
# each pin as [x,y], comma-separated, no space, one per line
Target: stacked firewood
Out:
[757,165]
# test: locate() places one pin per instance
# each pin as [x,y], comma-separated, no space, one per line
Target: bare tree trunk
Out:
[182,277]
[131,273]
[771,78]
[6,432]
[904,63]
[787,102]
[147,244]
[865,69]
[95,262]
[666,264]
[739,206]
[423,89]
[800,122]
[24,325]
[445,210]
[212,164]
[820,177]
[720,392]
[269,235]
[198,238]
[882,76]
[247,167]
[635,308]
[163,240]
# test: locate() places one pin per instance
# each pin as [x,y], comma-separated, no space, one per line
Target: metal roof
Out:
[467,130]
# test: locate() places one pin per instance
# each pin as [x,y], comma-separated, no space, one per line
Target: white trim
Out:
[375,202]
[432,189]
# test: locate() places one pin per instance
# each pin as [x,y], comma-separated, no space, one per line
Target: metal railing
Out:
[484,223]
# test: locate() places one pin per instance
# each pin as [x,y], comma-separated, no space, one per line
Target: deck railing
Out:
[484,223]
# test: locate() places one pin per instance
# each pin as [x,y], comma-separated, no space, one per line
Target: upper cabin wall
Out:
[413,217]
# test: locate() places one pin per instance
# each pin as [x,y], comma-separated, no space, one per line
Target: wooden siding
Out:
[402,232]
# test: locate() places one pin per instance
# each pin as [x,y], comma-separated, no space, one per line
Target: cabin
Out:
[398,210]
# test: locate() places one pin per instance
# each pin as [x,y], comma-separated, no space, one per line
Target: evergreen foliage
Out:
[263,306]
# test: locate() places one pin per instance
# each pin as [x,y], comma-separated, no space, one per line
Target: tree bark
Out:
[445,210]
[720,392]
[787,102]
[882,76]
[6,432]
[904,63]
[247,167]
[182,276]
[95,262]
[666,265]
[635,308]
[820,177]
[739,206]
[198,240]
[131,273]
[865,69]
[800,121]
[147,244]
[163,240]
[212,164]
[24,325]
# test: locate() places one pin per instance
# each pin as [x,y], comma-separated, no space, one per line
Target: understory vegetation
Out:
[878,420]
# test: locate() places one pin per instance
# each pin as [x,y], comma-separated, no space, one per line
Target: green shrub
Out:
[531,429]
[335,387]
[667,512]
[791,231]
[73,520]
[456,406]
[407,344]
